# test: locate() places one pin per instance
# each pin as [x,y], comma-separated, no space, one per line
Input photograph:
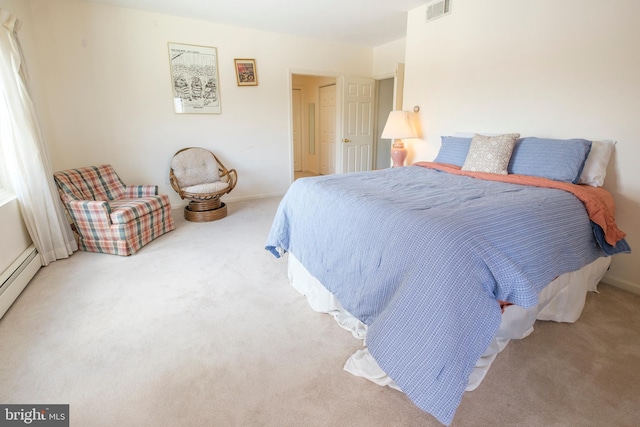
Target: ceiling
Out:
[360,22]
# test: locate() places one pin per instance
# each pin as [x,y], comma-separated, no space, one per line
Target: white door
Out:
[357,124]
[327,128]
[296,102]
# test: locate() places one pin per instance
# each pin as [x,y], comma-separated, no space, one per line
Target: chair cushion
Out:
[195,166]
[90,183]
[211,187]
[126,210]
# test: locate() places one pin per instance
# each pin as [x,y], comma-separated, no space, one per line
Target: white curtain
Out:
[24,156]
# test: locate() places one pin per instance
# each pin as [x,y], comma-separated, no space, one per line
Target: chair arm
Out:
[137,191]
[175,185]
[87,213]
[232,177]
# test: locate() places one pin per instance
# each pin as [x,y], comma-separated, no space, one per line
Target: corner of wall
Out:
[634,288]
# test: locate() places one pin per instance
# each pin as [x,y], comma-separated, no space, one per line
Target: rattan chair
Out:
[198,175]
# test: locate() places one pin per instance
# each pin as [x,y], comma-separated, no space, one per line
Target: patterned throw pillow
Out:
[490,154]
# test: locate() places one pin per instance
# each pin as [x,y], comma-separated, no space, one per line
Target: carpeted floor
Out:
[201,328]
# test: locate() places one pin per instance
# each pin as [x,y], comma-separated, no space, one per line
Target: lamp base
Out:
[398,154]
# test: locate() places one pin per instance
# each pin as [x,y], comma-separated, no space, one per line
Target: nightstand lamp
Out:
[398,127]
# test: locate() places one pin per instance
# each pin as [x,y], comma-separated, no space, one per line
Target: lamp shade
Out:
[398,126]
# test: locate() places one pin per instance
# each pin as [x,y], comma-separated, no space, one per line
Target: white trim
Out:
[634,288]
[384,76]
[6,196]
[17,276]
[252,197]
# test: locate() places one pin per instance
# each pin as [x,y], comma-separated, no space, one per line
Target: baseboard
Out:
[227,199]
[18,276]
[252,197]
[634,288]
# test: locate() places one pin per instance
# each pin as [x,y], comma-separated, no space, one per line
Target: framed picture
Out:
[246,72]
[194,78]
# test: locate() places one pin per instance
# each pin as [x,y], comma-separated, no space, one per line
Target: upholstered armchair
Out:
[109,216]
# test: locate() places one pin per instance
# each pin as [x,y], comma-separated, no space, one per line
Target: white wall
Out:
[546,68]
[111,101]
[386,57]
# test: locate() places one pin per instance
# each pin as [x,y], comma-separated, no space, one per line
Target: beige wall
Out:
[546,68]
[109,93]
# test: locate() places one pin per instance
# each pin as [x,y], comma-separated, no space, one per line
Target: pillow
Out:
[453,150]
[490,154]
[595,167]
[557,159]
[195,166]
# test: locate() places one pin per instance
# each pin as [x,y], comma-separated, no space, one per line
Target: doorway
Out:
[312,118]
[323,111]
[384,106]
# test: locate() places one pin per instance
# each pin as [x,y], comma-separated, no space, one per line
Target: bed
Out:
[439,264]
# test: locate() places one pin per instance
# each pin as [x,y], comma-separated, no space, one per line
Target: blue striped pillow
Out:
[557,159]
[453,150]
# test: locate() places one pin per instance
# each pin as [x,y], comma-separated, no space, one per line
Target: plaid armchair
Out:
[109,216]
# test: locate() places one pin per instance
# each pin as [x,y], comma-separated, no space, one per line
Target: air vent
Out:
[438,9]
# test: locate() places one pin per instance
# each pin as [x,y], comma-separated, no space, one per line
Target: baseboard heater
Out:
[16,277]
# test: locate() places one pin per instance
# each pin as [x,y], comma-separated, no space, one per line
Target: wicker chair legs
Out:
[203,211]
[204,205]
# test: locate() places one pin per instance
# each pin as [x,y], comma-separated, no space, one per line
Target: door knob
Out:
[345,140]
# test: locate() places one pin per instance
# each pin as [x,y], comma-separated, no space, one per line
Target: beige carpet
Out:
[201,328]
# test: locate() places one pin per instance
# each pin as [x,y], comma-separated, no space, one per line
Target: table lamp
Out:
[398,126]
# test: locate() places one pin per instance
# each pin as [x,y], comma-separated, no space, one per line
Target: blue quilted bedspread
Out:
[422,257]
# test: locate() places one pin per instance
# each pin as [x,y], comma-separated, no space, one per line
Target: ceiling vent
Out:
[438,9]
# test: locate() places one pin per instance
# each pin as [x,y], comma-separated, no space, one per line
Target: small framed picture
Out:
[246,72]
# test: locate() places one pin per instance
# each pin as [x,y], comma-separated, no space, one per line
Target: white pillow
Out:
[595,168]
[490,154]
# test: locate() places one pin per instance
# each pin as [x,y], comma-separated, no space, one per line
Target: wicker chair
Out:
[198,175]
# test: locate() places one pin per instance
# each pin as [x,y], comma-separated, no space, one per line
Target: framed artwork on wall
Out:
[194,78]
[246,72]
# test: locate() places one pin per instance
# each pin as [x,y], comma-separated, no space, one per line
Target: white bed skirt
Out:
[561,301]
